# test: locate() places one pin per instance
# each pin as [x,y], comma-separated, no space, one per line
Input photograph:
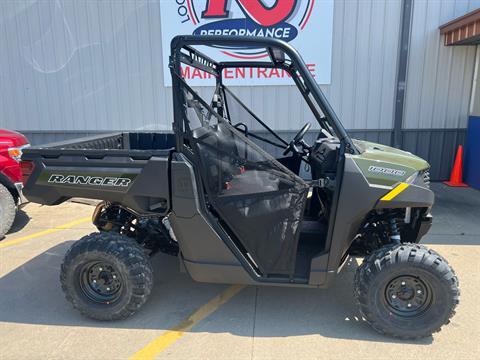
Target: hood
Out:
[384,165]
[388,154]
[9,138]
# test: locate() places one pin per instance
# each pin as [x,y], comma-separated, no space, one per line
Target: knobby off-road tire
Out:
[406,291]
[8,210]
[106,276]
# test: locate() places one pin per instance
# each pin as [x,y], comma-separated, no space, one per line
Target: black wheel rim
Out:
[101,282]
[407,296]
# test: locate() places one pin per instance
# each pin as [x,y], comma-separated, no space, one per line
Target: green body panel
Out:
[384,165]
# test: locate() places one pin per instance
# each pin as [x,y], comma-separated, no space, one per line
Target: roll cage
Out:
[256,201]
[282,56]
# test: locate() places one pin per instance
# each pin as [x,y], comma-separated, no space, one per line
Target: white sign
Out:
[305,24]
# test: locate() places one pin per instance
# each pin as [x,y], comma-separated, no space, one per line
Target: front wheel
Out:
[106,276]
[406,291]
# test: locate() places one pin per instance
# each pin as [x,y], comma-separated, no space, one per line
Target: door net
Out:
[260,201]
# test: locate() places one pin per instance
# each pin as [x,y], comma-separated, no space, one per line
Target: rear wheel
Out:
[406,291]
[7,210]
[106,276]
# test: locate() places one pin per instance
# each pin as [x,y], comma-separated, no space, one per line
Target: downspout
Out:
[402,64]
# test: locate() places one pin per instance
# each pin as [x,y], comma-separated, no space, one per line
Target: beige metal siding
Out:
[439,78]
[96,65]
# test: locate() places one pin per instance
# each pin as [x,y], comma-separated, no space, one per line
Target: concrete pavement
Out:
[257,323]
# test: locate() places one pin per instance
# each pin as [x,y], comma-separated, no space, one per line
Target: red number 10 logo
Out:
[254,9]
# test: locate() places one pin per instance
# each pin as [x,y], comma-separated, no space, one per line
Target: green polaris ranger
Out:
[233,212]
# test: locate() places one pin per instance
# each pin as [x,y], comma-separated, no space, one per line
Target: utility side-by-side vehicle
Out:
[233,213]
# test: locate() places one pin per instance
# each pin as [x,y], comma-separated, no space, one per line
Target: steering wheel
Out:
[298,140]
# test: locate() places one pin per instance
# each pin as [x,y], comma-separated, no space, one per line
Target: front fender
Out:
[405,195]
[10,169]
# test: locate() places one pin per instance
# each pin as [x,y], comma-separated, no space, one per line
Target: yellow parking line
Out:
[151,350]
[5,244]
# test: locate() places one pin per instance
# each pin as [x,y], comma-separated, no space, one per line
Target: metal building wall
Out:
[439,83]
[440,77]
[69,68]
[88,65]
[81,65]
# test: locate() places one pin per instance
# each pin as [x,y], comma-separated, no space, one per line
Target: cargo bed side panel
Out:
[138,182]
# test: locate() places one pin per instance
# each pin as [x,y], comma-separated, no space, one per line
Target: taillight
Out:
[27,167]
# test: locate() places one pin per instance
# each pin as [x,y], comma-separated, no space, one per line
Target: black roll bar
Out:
[186,41]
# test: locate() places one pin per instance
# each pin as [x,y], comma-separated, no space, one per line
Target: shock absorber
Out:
[395,237]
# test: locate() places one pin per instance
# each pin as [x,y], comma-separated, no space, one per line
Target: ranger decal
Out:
[89,180]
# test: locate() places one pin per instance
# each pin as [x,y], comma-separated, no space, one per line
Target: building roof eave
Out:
[464,30]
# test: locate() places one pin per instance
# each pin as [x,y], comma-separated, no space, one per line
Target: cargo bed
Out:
[131,168]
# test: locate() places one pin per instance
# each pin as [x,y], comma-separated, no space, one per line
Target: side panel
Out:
[140,184]
[357,198]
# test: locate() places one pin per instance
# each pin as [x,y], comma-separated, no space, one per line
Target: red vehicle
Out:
[11,146]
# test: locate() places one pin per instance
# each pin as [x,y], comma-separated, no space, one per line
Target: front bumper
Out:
[22,200]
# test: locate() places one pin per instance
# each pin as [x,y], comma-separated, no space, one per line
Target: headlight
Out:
[16,152]
[420,178]
[411,179]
